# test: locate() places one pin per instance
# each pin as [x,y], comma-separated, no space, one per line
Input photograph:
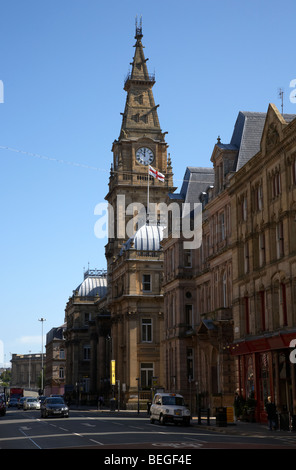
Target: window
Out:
[146,283]
[61,373]
[247,314]
[280,239]
[190,368]
[86,352]
[147,330]
[262,309]
[147,369]
[87,318]
[283,305]
[189,315]
[224,289]
[244,208]
[262,249]
[276,184]
[187,258]
[62,353]
[246,257]
[222,226]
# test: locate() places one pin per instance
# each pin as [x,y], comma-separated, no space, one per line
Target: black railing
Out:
[147,78]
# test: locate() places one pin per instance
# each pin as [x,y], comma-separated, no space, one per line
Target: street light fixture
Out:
[42,370]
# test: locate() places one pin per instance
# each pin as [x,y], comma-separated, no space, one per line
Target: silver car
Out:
[31,403]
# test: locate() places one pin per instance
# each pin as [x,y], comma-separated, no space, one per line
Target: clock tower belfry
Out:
[141,143]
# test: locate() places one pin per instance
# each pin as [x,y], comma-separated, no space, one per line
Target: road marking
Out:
[177,445]
[30,439]
[97,442]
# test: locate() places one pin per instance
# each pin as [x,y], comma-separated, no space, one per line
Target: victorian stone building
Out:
[263,208]
[87,339]
[55,364]
[26,371]
[198,283]
[134,255]
[205,320]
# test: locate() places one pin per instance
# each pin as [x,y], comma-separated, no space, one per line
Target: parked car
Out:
[12,402]
[20,403]
[31,403]
[169,408]
[54,406]
[2,407]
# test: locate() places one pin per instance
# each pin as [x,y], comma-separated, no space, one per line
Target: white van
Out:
[169,408]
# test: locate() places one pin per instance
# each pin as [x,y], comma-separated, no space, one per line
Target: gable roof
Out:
[196,180]
[247,135]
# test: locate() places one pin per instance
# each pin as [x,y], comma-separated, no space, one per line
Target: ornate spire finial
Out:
[139,34]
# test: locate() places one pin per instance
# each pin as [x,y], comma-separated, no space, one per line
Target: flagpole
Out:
[148,197]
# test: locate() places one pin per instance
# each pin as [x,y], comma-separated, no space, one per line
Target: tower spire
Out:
[140,115]
[139,33]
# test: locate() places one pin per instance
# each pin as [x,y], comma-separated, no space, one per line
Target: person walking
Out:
[271,414]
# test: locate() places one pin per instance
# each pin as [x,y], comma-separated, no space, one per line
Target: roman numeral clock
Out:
[144,156]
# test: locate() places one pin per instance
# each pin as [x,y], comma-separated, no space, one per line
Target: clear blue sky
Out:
[62,64]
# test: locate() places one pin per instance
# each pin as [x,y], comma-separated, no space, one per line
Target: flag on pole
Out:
[156,174]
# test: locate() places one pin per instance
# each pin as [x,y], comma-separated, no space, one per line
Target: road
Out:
[117,431]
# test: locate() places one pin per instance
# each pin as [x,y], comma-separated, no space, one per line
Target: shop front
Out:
[265,369]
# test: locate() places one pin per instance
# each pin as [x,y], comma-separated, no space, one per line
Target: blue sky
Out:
[62,65]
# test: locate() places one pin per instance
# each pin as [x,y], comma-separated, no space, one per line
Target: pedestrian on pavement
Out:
[271,414]
[101,402]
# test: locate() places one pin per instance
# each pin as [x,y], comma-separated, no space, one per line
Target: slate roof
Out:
[196,180]
[247,134]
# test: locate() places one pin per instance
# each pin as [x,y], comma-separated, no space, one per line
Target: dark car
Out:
[21,402]
[54,406]
[12,402]
[2,407]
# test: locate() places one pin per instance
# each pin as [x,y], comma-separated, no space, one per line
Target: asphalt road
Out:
[116,434]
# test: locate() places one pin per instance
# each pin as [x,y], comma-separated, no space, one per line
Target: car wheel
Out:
[162,420]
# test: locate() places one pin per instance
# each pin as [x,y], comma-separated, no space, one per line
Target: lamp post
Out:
[42,371]
[30,370]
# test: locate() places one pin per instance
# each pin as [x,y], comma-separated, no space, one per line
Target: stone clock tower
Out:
[141,143]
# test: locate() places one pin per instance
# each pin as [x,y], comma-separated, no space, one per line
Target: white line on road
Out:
[97,442]
[23,432]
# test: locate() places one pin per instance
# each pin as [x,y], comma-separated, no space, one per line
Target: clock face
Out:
[144,156]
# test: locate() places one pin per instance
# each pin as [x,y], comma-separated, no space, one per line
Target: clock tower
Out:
[141,143]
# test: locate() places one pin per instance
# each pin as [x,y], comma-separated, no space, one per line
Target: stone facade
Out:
[55,365]
[26,371]
[263,195]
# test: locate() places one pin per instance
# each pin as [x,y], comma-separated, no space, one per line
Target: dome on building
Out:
[146,238]
[95,283]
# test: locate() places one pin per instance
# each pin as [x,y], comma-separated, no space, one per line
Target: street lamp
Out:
[42,372]
[30,370]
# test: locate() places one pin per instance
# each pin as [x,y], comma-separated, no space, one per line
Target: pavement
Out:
[242,428]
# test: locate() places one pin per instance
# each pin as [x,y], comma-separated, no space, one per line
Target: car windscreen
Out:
[55,401]
[179,401]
